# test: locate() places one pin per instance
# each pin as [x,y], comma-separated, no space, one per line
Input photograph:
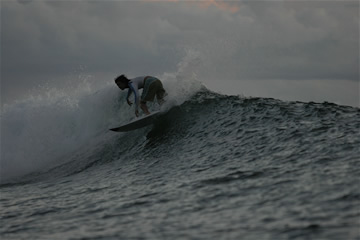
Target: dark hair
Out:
[122,78]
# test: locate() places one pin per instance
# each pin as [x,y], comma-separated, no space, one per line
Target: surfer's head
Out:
[122,81]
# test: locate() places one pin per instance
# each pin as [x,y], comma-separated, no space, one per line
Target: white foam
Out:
[183,83]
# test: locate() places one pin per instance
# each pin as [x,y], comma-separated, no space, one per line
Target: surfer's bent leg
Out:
[153,87]
[144,107]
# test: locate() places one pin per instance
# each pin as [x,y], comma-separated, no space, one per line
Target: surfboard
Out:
[138,123]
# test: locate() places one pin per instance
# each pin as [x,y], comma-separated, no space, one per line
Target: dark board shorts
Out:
[152,87]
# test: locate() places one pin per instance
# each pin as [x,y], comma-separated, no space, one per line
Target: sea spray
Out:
[183,83]
[39,130]
[42,130]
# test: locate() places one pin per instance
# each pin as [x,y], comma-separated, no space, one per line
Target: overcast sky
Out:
[291,50]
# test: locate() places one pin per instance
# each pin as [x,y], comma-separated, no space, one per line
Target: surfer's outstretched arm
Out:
[128,96]
[135,90]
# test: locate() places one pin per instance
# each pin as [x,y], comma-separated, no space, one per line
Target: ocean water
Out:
[212,167]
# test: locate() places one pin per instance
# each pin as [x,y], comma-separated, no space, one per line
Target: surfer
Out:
[151,86]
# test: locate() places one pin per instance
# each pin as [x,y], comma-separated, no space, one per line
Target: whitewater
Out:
[212,167]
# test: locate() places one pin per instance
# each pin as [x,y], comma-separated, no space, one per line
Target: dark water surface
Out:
[215,167]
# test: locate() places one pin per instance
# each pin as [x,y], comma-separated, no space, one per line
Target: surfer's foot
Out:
[144,108]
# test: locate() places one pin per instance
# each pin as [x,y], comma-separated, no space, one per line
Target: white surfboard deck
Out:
[137,123]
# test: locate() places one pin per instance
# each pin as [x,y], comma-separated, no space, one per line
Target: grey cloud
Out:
[287,40]
[24,1]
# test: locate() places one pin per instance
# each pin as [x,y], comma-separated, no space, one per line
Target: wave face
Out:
[250,168]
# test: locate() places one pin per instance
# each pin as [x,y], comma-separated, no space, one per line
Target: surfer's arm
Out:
[128,96]
[137,96]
